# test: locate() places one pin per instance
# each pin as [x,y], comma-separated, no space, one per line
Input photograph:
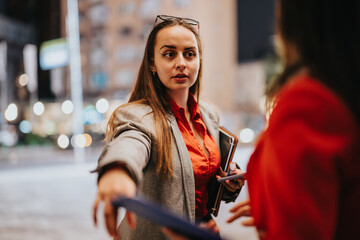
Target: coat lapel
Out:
[187,173]
[182,155]
[211,127]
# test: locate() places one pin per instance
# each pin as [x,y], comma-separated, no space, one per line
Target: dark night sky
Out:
[255,28]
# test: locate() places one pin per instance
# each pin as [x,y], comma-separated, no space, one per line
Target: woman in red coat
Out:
[304,175]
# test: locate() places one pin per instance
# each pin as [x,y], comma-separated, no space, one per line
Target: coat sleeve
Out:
[131,144]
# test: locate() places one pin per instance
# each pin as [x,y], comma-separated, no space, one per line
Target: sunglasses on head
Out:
[163,18]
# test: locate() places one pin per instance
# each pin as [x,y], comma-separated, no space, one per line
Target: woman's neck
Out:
[181,98]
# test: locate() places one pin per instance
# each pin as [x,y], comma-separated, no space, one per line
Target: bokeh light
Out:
[91,115]
[25,126]
[102,105]
[11,112]
[63,141]
[9,137]
[79,141]
[39,108]
[88,140]
[23,80]
[67,107]
[247,135]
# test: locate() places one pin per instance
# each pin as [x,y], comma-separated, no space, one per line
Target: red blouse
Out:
[204,167]
[304,175]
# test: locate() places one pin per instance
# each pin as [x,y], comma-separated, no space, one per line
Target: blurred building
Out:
[238,56]
[113,34]
[236,35]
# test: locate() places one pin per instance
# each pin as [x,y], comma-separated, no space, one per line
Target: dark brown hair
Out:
[150,91]
[325,35]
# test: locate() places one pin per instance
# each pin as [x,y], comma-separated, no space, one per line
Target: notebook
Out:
[159,215]
[228,143]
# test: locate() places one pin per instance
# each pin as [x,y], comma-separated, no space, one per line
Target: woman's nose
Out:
[180,62]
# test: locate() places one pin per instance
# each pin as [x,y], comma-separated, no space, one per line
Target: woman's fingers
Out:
[130,218]
[114,182]
[232,185]
[211,225]
[172,235]
[222,173]
[95,208]
[241,209]
[240,204]
[248,222]
[244,211]
[230,188]
[110,218]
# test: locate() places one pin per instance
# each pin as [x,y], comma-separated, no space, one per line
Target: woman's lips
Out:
[180,77]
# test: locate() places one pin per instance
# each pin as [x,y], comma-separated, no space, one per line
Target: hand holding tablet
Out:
[232,177]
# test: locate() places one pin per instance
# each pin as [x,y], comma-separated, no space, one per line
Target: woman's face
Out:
[176,58]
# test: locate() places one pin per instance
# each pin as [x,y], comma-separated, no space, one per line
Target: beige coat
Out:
[134,145]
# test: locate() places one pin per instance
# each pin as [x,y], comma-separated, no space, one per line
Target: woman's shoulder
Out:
[314,103]
[135,108]
[309,87]
[309,91]
[208,108]
[134,113]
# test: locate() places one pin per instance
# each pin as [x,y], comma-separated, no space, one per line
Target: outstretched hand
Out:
[242,209]
[113,183]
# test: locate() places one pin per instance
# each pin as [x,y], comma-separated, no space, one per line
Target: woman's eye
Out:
[169,54]
[190,54]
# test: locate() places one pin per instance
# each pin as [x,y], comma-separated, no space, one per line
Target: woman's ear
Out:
[153,69]
[152,66]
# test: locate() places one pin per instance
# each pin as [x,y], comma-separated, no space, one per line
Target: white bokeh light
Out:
[8,138]
[23,80]
[63,141]
[39,108]
[67,107]
[247,135]
[11,112]
[102,105]
[80,141]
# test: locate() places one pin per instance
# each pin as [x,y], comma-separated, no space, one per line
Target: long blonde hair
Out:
[150,91]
